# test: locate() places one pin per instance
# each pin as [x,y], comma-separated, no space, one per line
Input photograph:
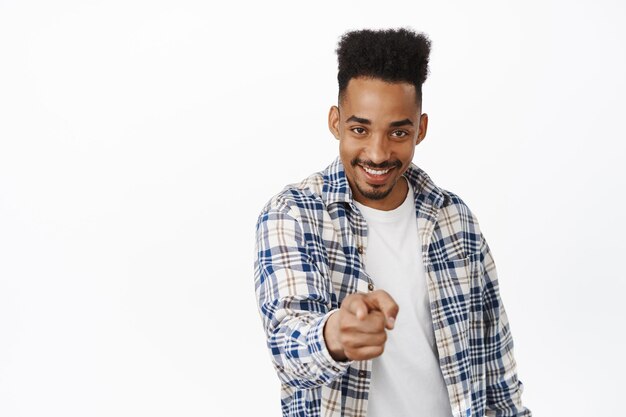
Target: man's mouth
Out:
[376,176]
[376,171]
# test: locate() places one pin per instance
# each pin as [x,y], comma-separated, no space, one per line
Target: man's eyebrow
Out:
[363,121]
[401,123]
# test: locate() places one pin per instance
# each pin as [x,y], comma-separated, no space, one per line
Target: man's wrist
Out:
[331,337]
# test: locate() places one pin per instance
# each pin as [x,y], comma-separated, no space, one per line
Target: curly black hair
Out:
[390,55]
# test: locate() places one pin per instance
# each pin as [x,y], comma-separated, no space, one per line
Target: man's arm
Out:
[294,301]
[504,389]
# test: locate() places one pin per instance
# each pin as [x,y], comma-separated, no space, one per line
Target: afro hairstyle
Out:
[392,55]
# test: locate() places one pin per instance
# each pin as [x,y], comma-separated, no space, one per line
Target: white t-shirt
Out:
[406,378]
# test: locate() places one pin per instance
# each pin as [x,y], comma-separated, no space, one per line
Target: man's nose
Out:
[379,150]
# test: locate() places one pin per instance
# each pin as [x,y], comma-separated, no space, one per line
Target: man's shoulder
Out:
[454,203]
[457,217]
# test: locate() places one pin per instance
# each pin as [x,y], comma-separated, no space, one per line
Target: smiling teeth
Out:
[375,172]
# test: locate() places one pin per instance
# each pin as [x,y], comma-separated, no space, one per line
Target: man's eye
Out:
[358,130]
[399,133]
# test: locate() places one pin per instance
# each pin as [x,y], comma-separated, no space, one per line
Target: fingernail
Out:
[391,321]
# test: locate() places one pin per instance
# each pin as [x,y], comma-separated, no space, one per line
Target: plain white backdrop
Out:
[140,139]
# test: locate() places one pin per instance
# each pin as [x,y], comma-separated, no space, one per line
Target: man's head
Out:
[378,120]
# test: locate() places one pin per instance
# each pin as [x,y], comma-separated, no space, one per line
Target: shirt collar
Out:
[337,189]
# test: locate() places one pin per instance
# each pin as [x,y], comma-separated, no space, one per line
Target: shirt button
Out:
[370,286]
[362,374]
[361,250]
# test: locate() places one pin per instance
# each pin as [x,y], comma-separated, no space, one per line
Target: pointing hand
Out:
[357,331]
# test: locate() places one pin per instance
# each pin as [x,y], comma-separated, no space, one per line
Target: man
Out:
[377,289]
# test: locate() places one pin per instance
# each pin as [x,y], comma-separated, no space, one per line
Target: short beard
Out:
[374,194]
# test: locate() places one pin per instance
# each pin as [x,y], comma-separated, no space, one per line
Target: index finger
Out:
[382,301]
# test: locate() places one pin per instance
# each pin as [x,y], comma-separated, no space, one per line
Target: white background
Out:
[140,139]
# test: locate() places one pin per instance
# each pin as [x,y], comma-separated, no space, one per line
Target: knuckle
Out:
[348,325]
[344,324]
[346,341]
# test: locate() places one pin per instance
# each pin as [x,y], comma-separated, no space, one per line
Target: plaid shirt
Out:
[309,241]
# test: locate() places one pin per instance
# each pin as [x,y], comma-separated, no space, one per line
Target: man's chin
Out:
[375,192]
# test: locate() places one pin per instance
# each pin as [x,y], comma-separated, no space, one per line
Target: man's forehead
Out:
[375,95]
[379,108]
[358,84]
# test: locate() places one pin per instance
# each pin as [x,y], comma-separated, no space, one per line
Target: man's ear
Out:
[423,127]
[333,121]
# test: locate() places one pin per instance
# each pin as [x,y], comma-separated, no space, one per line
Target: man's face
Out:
[378,125]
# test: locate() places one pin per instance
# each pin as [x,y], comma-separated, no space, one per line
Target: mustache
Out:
[372,165]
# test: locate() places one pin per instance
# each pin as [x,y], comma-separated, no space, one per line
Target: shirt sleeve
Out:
[503,387]
[294,300]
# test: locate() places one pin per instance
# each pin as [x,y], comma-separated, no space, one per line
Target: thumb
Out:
[382,301]
[360,309]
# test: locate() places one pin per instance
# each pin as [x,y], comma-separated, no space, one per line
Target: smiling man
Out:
[378,139]
[377,289]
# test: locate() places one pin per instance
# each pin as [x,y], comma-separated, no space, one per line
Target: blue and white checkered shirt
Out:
[309,241]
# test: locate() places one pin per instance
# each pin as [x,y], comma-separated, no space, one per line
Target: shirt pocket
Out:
[460,273]
[455,284]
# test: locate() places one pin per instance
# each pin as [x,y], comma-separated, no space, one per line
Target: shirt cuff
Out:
[319,350]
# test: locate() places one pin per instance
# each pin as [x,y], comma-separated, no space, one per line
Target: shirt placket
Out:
[359,226]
